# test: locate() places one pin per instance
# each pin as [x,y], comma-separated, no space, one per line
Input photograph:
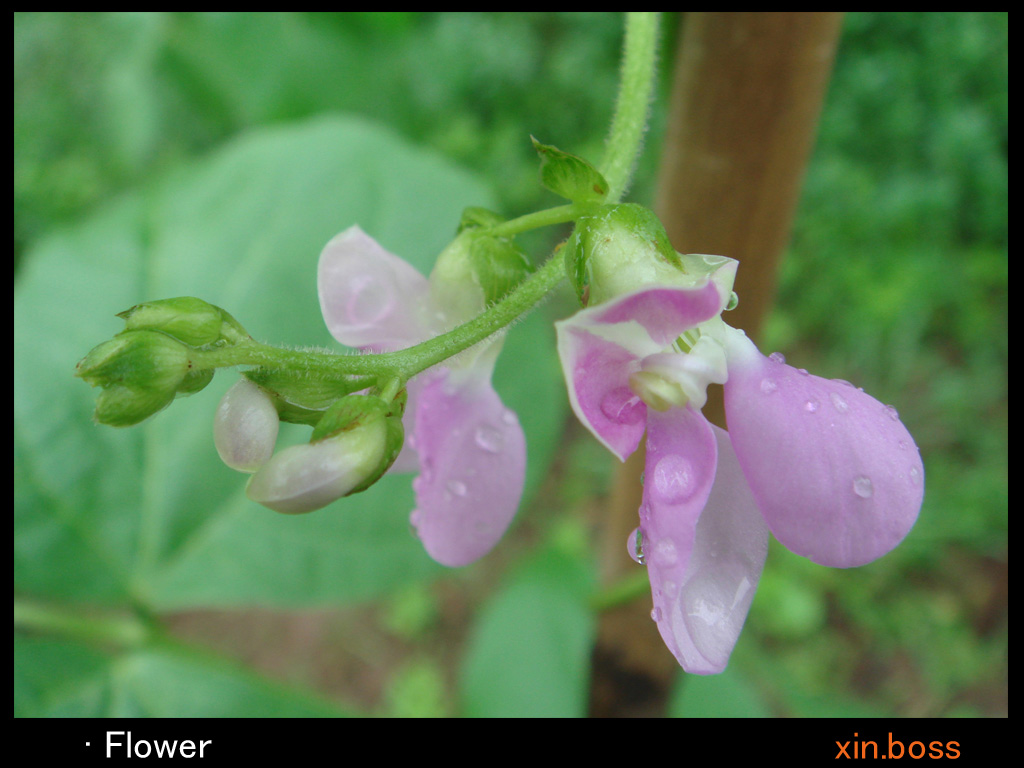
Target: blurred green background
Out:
[214,154]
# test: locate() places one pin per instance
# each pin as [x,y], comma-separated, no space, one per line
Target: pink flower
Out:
[468,447]
[829,470]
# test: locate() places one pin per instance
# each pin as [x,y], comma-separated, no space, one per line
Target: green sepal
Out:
[307,393]
[475,217]
[187,319]
[358,411]
[476,269]
[570,176]
[619,249]
[499,266]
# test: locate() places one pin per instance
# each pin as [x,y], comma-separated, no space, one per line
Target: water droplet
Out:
[734,301]
[862,487]
[777,357]
[841,405]
[635,545]
[802,371]
[893,413]
[674,479]
[665,552]
[457,487]
[915,476]
[489,438]
[811,406]
[656,614]
[768,386]
[622,406]
[509,416]
[902,445]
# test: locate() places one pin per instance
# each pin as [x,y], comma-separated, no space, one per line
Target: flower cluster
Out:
[467,447]
[829,470]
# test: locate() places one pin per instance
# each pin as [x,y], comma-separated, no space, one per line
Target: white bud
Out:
[306,477]
[245,427]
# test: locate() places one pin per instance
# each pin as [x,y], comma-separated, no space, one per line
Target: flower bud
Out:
[140,372]
[476,269]
[624,249]
[186,318]
[356,442]
[245,427]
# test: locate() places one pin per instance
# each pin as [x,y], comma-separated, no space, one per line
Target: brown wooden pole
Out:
[746,97]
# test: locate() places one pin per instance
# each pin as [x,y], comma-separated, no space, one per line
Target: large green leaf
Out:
[529,653]
[59,678]
[150,514]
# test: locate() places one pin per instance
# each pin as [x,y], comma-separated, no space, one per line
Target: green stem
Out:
[538,219]
[403,364]
[636,89]
[624,143]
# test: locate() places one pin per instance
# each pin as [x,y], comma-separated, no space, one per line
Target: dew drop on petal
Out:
[656,614]
[768,386]
[811,406]
[665,553]
[777,357]
[802,371]
[862,487]
[915,476]
[893,413]
[456,487]
[841,405]
[674,479]
[635,545]
[509,416]
[622,406]
[489,438]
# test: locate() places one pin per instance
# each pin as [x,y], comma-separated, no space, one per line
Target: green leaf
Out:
[529,655]
[62,678]
[150,514]
[570,176]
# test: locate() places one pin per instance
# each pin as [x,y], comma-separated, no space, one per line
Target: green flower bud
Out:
[186,318]
[140,372]
[141,359]
[476,269]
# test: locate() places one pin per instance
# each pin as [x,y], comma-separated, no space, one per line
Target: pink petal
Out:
[724,568]
[597,373]
[835,473]
[600,347]
[678,475]
[473,464]
[372,299]
[663,312]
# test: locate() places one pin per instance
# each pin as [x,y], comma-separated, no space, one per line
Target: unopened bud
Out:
[624,248]
[140,372]
[186,318]
[304,478]
[245,427]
